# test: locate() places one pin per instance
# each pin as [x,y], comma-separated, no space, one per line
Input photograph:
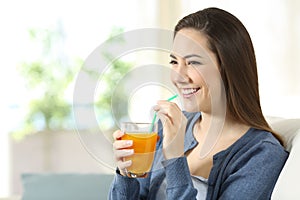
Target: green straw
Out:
[154,118]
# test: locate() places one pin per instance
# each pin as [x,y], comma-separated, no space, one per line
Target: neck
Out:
[209,121]
[211,129]
[219,117]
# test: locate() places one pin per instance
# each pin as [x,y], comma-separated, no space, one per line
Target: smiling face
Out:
[195,72]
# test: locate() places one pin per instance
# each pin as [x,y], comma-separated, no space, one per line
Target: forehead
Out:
[190,41]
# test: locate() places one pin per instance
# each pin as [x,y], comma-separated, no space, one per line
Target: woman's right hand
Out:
[121,150]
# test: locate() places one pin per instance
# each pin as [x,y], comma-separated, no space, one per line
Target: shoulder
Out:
[250,167]
[263,139]
[267,142]
[255,138]
[258,145]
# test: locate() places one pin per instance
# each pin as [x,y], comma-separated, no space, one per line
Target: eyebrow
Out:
[187,56]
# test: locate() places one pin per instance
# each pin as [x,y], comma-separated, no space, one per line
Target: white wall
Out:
[274,26]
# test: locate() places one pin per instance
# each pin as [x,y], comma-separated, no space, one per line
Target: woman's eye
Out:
[194,63]
[173,62]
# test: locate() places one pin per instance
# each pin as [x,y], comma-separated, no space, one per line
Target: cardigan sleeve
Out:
[128,188]
[179,182]
[123,188]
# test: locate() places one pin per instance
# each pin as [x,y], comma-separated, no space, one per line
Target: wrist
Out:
[173,151]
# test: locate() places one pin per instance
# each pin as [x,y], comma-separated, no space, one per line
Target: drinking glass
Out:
[144,137]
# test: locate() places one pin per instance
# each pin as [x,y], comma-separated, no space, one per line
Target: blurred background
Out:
[43,45]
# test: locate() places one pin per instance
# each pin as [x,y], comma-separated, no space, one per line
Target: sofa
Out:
[62,186]
[96,186]
[288,185]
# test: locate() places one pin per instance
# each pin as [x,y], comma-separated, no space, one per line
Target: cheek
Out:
[214,85]
[198,76]
[173,76]
[207,76]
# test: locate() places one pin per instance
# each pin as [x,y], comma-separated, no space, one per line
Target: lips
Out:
[187,92]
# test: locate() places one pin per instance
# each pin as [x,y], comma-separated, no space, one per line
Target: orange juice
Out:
[144,148]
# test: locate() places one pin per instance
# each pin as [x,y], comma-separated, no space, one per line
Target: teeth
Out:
[188,91]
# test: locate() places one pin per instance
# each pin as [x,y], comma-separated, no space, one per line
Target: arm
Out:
[124,187]
[253,174]
[179,182]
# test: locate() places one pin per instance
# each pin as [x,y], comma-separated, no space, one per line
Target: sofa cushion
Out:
[287,185]
[287,128]
[66,186]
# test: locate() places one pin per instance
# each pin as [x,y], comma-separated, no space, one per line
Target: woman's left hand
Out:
[174,126]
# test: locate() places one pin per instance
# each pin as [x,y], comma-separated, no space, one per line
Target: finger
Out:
[170,110]
[121,144]
[156,108]
[167,122]
[170,107]
[123,153]
[163,102]
[118,134]
[163,109]
[122,165]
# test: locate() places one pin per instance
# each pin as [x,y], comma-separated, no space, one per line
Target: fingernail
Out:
[129,142]
[156,108]
[130,151]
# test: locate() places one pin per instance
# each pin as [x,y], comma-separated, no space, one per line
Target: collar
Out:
[190,141]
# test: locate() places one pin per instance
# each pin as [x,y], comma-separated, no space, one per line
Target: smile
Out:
[189,91]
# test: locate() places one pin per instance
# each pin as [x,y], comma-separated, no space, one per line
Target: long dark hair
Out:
[229,40]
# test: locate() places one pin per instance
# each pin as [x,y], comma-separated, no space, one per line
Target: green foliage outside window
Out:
[49,79]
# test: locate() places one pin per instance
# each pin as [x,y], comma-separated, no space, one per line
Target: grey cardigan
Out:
[248,169]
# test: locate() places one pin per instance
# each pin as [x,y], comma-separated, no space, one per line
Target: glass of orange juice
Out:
[144,137]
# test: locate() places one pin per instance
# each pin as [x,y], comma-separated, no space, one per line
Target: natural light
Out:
[274,26]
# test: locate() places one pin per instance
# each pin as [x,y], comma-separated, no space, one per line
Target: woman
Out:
[221,146]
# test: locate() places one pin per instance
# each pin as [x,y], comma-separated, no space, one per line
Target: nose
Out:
[179,74]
